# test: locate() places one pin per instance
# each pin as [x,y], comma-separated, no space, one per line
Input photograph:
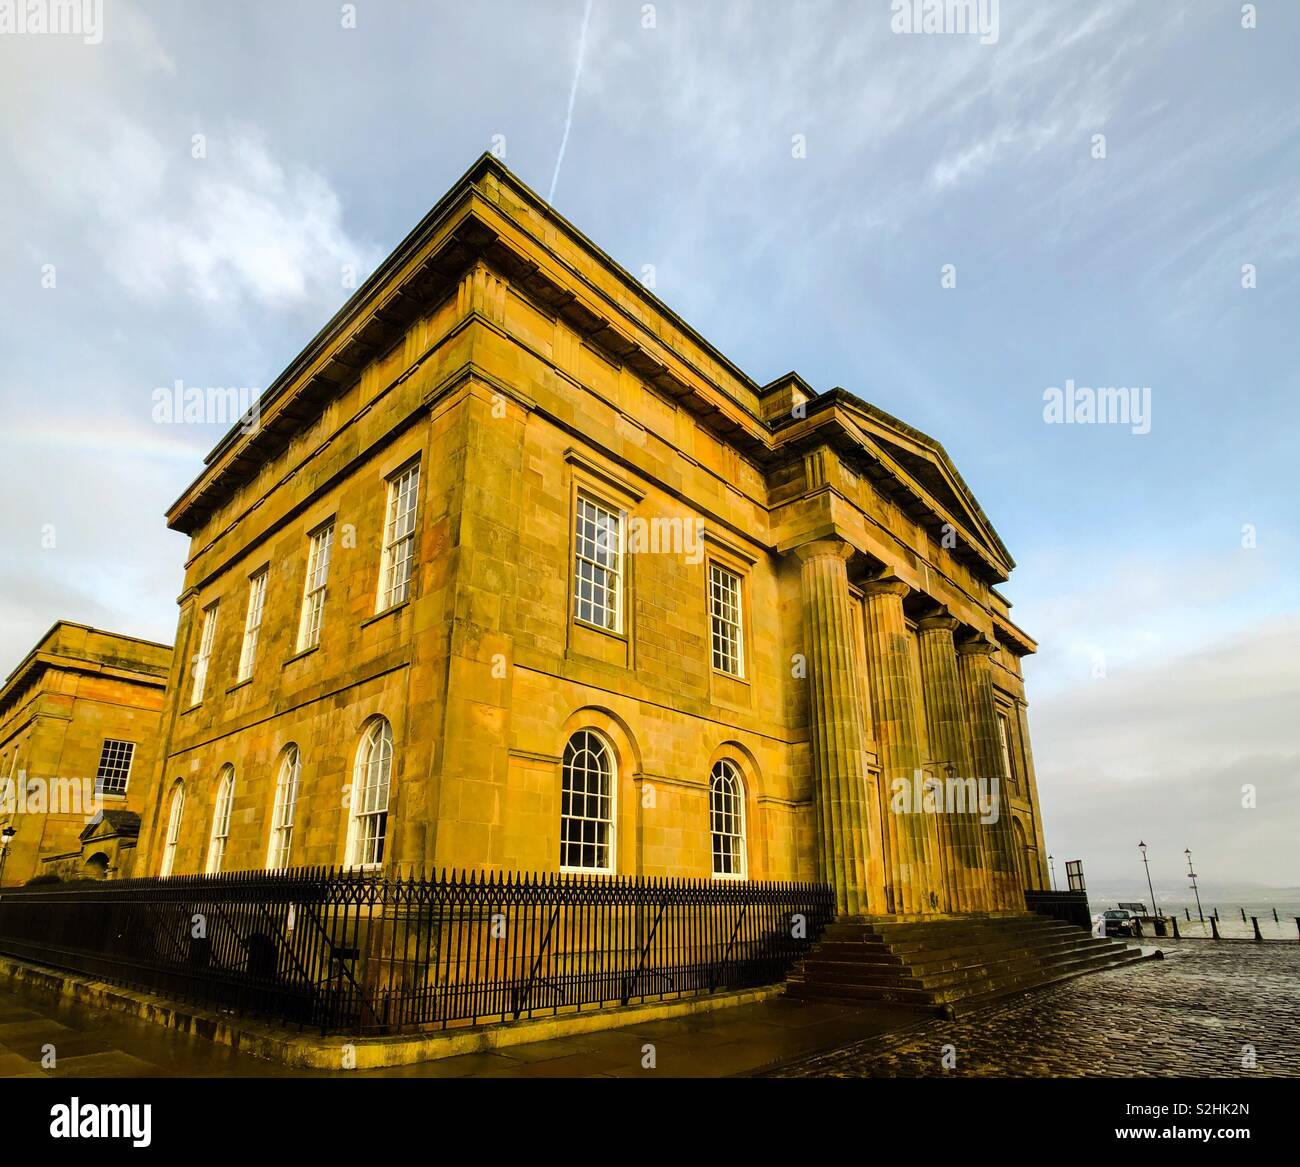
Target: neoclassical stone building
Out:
[79,722]
[519,573]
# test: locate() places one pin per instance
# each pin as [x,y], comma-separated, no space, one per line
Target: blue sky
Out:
[323,145]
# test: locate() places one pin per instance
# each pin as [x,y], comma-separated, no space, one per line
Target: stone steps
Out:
[934,964]
[840,966]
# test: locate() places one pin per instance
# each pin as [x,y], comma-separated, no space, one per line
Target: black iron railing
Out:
[350,952]
[1070,906]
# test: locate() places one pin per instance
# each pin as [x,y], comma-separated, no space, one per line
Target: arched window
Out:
[286,798]
[587,804]
[727,820]
[221,820]
[371,777]
[173,829]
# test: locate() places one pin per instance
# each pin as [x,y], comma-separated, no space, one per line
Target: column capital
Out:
[830,547]
[886,585]
[980,645]
[939,622]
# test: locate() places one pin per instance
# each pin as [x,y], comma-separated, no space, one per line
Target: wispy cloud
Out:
[219,218]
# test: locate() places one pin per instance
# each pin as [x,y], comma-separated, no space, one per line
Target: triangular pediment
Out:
[923,465]
[111,824]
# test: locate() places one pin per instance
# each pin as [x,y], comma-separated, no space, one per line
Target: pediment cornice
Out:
[909,468]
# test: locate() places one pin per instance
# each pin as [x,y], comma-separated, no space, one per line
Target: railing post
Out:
[1214,926]
[1255,921]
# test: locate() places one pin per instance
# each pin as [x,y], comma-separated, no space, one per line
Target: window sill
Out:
[385,613]
[110,796]
[300,655]
[726,676]
[239,685]
[579,622]
[364,868]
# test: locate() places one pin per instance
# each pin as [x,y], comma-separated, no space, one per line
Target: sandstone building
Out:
[79,724]
[519,573]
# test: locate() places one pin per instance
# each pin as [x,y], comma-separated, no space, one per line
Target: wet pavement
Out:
[38,1039]
[1206,1010]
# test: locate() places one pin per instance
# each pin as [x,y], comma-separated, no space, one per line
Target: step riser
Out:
[955,964]
[845,972]
[1027,979]
[929,964]
[932,1002]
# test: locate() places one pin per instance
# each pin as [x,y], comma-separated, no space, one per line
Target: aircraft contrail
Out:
[573,96]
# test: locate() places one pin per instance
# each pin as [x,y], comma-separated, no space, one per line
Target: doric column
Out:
[896,712]
[946,726]
[976,672]
[836,723]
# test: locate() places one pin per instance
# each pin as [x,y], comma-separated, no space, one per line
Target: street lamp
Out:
[1192,876]
[6,835]
[1143,848]
[1052,866]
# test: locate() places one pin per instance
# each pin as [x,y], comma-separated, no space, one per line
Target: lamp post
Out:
[1143,848]
[6,835]
[1051,864]
[1192,876]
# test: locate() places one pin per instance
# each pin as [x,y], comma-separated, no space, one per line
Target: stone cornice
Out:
[465,227]
[490,222]
[53,652]
[1009,634]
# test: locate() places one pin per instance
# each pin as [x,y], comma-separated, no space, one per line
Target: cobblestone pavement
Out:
[1197,1013]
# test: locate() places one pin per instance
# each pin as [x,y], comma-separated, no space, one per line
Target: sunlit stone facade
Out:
[547,582]
[79,721]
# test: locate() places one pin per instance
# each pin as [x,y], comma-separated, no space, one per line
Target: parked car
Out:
[1120,922]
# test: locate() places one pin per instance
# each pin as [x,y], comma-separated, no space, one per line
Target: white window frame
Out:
[207,636]
[726,620]
[598,570]
[320,547]
[590,743]
[728,837]
[286,802]
[174,816]
[221,808]
[397,562]
[372,782]
[252,623]
[114,773]
[1004,739]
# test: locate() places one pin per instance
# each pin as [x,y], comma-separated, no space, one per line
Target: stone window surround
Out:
[612,491]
